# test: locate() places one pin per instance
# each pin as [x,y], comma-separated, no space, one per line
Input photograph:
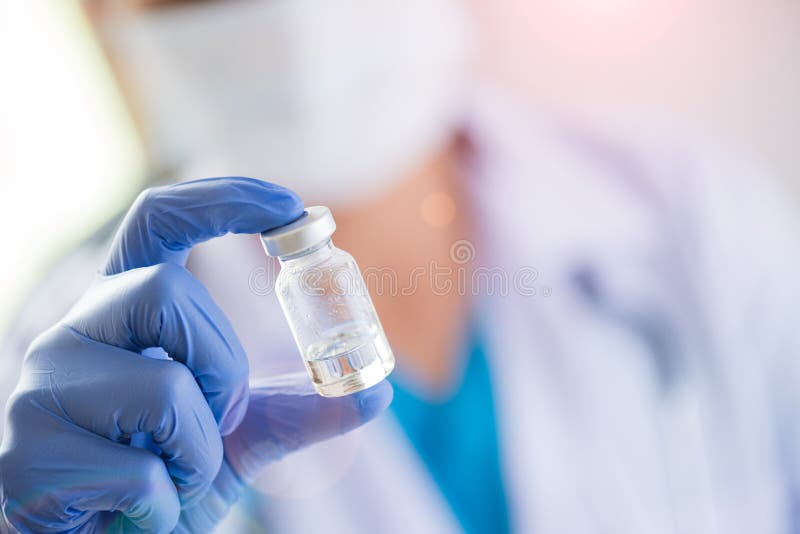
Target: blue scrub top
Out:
[457,440]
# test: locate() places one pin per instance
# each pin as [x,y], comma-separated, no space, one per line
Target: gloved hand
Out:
[87,393]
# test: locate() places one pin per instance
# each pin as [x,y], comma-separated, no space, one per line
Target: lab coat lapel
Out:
[370,480]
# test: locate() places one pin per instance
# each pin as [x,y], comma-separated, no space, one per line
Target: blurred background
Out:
[725,70]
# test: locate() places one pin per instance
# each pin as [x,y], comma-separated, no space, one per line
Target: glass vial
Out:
[326,303]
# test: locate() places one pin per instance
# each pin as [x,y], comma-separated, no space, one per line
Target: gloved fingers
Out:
[57,479]
[165,222]
[286,414]
[165,306]
[115,393]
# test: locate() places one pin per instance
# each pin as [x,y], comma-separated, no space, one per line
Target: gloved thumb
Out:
[286,414]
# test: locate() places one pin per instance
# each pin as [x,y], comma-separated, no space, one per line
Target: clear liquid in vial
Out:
[350,357]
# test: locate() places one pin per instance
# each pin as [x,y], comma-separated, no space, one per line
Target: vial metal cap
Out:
[314,226]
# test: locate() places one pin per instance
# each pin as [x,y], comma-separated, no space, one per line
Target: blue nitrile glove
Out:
[86,392]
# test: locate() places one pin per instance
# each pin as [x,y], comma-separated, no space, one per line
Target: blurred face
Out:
[337,99]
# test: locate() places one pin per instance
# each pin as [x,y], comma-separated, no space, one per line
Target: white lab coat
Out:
[650,386]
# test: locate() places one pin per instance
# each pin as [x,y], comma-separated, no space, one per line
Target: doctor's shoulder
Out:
[726,232]
[574,187]
[656,201]
[551,158]
[709,197]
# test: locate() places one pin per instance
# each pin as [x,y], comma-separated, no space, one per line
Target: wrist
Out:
[204,515]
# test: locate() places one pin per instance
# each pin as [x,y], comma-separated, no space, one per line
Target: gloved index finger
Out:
[165,222]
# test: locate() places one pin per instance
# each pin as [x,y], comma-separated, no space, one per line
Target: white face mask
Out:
[336,99]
